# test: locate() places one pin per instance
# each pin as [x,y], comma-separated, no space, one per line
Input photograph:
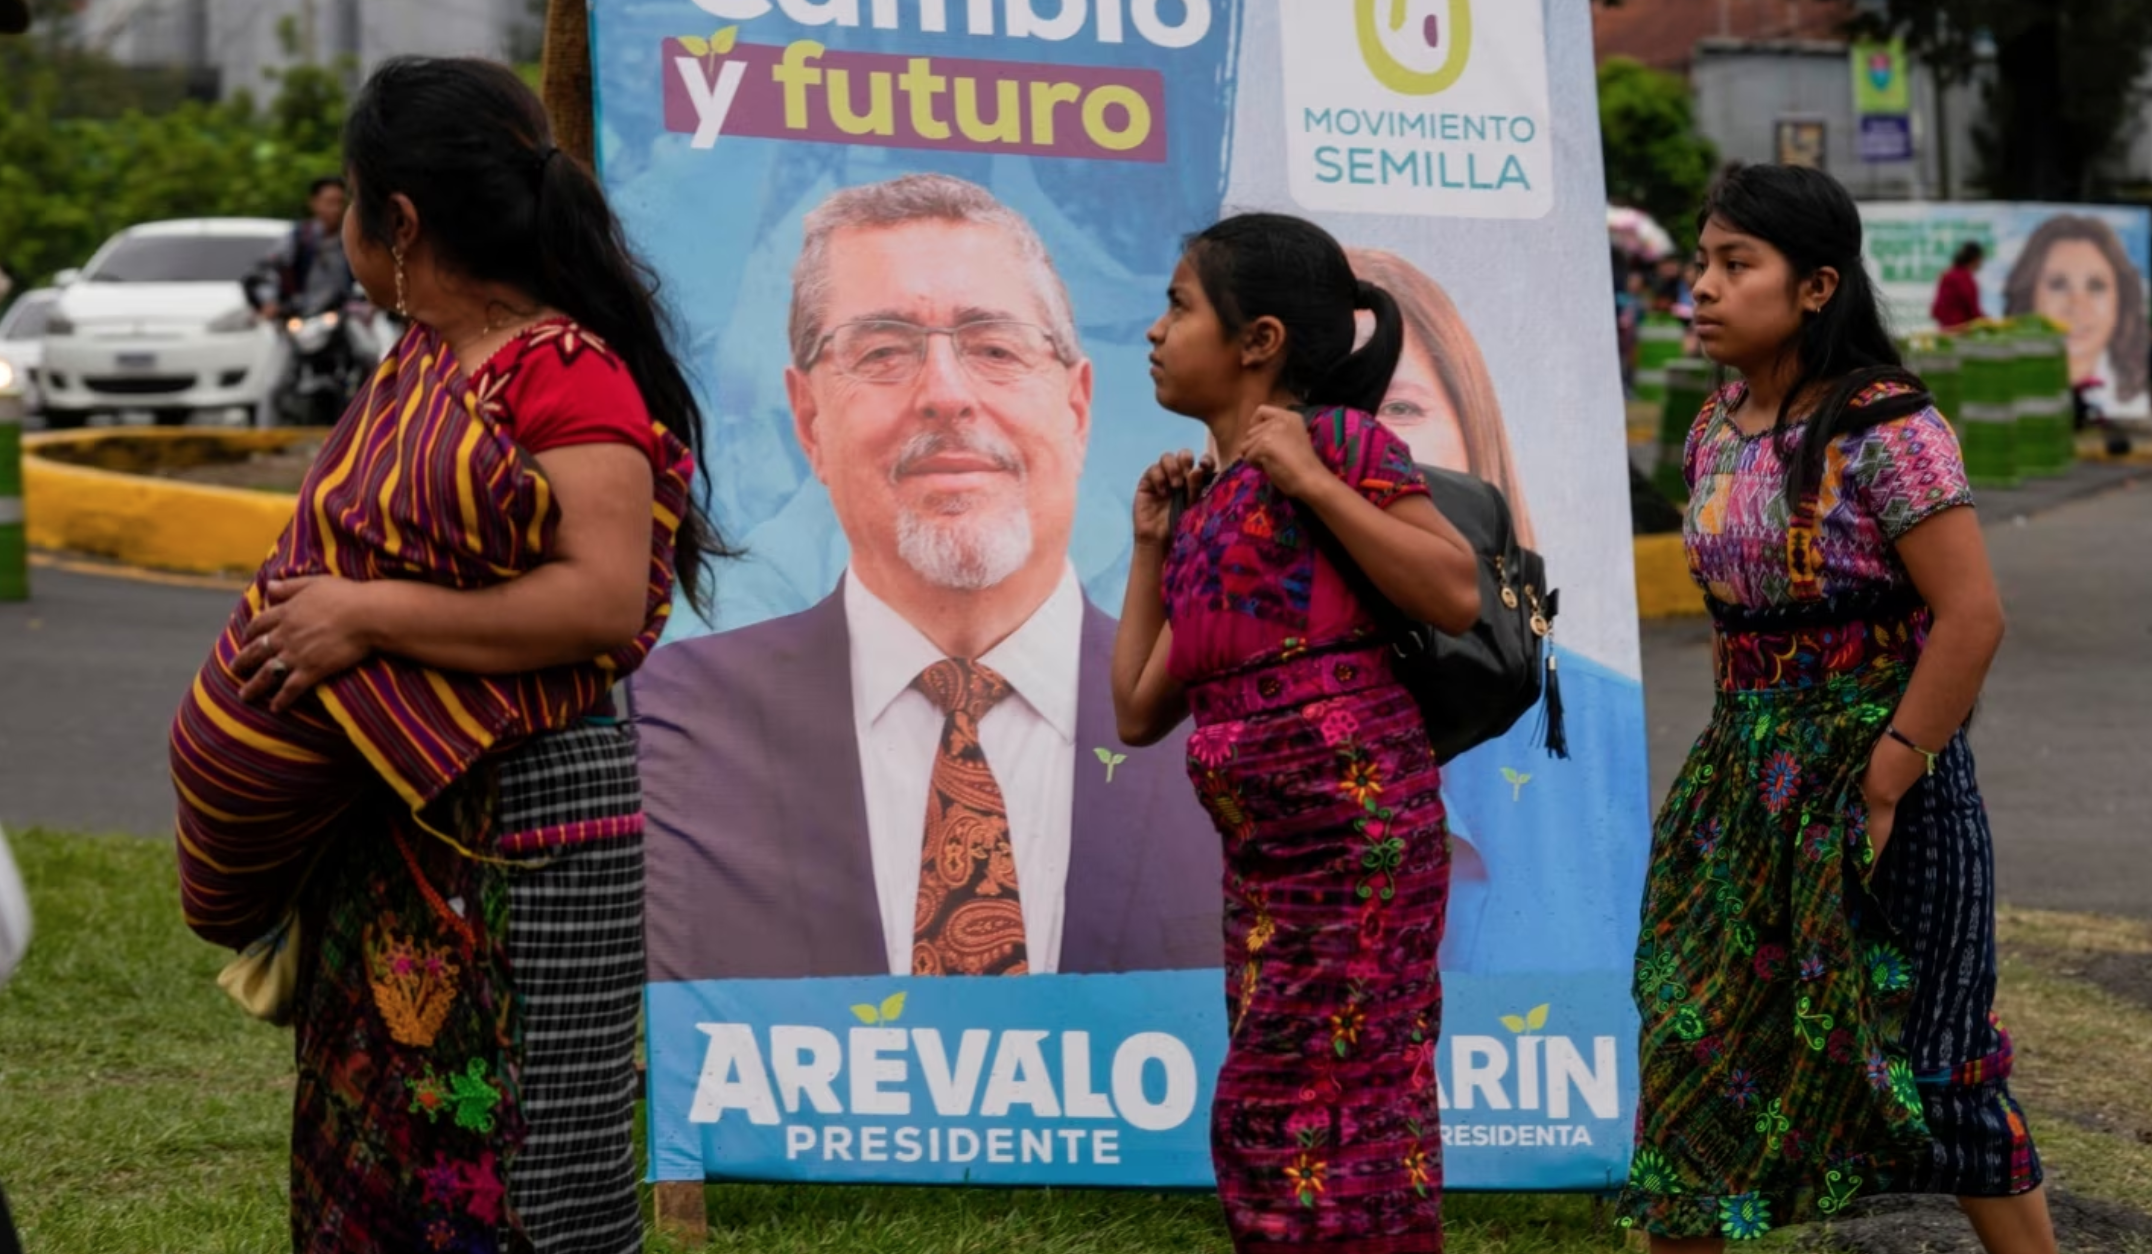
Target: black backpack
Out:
[1472,688]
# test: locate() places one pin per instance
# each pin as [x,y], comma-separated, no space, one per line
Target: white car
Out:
[22,340]
[158,320]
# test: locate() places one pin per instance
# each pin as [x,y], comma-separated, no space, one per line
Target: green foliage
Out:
[1655,158]
[69,178]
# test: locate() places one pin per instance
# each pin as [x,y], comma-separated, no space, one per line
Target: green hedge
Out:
[69,182]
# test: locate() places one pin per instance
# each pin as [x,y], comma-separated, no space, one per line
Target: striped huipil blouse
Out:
[420,480]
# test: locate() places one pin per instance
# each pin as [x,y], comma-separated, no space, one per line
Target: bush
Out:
[1655,159]
[67,183]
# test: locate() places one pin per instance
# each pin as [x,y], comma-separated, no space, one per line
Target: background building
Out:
[227,45]
[1763,68]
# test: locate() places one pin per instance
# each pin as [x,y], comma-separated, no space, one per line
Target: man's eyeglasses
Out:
[890,351]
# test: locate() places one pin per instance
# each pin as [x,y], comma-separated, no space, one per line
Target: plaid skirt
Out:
[466,1022]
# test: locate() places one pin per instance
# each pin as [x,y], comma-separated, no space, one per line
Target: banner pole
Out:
[680,1212]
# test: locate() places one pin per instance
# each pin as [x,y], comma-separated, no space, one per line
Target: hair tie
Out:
[1363,294]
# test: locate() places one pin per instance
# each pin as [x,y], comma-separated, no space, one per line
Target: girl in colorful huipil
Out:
[1816,967]
[1311,758]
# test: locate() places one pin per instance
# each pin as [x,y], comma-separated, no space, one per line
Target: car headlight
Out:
[57,323]
[311,335]
[7,375]
[241,319]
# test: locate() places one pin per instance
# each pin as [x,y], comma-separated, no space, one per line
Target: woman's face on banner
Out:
[2077,288]
[1419,408]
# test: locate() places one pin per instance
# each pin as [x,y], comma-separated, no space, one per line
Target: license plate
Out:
[137,361]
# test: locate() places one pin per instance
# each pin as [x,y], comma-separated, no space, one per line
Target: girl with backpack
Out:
[1311,757]
[1816,967]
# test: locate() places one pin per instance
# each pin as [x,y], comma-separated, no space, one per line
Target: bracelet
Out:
[1903,739]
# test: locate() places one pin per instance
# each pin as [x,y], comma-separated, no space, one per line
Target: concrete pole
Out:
[14,539]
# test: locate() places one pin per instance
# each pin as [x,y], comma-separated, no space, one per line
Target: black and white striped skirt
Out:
[575,947]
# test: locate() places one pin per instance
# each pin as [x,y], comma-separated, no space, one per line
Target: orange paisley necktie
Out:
[969,919]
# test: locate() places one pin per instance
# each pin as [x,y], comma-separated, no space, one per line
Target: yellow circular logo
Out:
[1453,37]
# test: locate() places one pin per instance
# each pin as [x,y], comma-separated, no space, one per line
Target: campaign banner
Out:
[913,247]
[2084,266]
[1084,1080]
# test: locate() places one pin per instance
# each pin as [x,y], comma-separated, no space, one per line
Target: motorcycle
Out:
[2089,415]
[332,354]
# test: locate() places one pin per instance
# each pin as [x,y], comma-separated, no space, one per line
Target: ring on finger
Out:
[278,667]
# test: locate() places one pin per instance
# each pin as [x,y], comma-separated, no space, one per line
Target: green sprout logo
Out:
[891,1009]
[1517,780]
[710,49]
[1111,760]
[1530,1021]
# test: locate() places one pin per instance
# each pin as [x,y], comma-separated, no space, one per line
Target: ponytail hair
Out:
[469,143]
[1273,265]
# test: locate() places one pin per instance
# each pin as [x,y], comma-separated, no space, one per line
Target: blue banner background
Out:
[1543,905]
[1184,1005]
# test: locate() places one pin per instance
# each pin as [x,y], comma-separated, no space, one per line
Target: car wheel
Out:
[65,419]
[171,417]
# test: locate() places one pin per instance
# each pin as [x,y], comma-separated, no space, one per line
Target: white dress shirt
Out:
[1029,740]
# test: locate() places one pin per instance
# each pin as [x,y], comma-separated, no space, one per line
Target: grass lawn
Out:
[141,1111]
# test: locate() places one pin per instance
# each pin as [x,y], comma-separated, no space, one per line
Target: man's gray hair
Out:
[898,202]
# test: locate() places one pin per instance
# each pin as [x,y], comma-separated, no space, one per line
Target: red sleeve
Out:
[1365,454]
[566,387]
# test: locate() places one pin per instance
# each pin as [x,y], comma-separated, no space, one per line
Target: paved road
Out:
[92,669]
[2064,730]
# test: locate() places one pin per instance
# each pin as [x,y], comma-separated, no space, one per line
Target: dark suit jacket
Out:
[759,862]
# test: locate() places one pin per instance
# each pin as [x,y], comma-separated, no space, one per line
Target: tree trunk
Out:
[2040,157]
[567,79]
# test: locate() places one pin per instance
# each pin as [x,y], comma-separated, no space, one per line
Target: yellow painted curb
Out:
[163,524]
[139,520]
[1663,586]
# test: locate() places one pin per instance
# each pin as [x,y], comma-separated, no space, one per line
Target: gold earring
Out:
[402,309]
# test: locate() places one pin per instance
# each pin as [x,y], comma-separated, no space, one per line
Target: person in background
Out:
[15,930]
[1957,293]
[307,273]
[1670,292]
[1631,299]
[1815,972]
[1312,759]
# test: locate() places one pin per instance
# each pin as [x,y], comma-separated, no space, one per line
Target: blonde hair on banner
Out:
[1432,322]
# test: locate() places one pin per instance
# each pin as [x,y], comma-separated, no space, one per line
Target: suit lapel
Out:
[825,800]
[1113,825]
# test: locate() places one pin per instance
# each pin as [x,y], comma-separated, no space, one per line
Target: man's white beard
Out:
[965,549]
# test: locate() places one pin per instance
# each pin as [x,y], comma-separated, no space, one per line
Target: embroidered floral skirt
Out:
[1814,1027]
[405,1116]
[1324,1130]
[466,1027]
